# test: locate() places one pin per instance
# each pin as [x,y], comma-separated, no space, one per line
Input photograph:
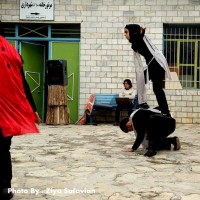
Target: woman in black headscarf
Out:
[155,70]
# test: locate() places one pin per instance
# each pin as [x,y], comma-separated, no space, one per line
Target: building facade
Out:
[105,56]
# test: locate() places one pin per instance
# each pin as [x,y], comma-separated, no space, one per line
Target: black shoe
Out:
[176,143]
[6,194]
[143,106]
[150,153]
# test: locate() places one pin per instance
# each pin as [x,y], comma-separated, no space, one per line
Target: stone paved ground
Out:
[86,163]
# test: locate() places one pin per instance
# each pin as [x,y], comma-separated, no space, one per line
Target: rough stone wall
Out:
[106,56]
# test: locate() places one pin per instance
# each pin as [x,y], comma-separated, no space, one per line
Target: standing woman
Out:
[18,113]
[156,67]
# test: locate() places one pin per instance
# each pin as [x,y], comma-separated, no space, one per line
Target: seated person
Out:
[156,127]
[126,93]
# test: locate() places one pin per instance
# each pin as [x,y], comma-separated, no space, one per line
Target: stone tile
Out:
[87,163]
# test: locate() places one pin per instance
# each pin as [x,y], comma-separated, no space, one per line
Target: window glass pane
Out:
[186,76]
[198,78]
[182,51]
[65,30]
[181,33]
[170,52]
[175,33]
[198,55]
[194,33]
[187,52]
[33,30]
[9,29]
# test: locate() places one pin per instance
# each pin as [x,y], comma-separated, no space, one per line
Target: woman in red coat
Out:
[18,113]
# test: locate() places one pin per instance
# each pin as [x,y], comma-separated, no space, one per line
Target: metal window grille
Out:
[42,30]
[182,51]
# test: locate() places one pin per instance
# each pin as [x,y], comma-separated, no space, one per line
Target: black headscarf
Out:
[123,126]
[135,35]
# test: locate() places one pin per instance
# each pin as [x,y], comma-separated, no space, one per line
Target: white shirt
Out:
[127,93]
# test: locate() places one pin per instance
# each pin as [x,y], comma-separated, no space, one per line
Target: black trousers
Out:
[5,162]
[157,128]
[119,107]
[160,144]
[157,76]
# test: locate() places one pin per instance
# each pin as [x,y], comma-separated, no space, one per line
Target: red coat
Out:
[16,114]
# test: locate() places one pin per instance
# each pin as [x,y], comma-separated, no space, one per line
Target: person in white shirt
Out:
[128,92]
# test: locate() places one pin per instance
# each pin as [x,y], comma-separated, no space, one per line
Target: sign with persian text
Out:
[36,10]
